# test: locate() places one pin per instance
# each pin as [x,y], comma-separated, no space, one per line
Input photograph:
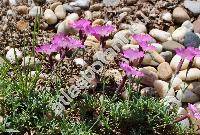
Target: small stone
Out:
[176,83]
[179,34]
[130,46]
[80,61]
[30,61]
[50,17]
[195,87]
[60,12]
[149,77]
[167,56]
[180,15]
[121,38]
[196,62]
[193,6]
[160,35]
[98,22]
[13,2]
[171,101]
[192,75]
[148,91]
[162,88]
[1,119]
[175,61]
[191,40]
[88,15]
[171,45]
[148,60]
[164,71]
[157,57]
[158,47]
[54,5]
[196,25]
[84,4]
[72,17]
[187,96]
[96,7]
[22,25]
[167,16]
[187,24]
[149,68]
[137,28]
[22,9]
[36,10]
[10,55]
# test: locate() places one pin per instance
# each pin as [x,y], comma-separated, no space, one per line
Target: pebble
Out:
[192,40]
[36,10]
[149,68]
[179,34]
[196,62]
[167,16]
[175,61]
[29,61]
[193,6]
[96,14]
[171,101]
[10,55]
[149,77]
[79,62]
[72,17]
[22,9]
[54,5]
[160,35]
[13,2]
[148,60]
[158,47]
[171,45]
[176,83]
[164,71]
[121,38]
[180,15]
[88,15]
[137,28]
[50,17]
[157,57]
[96,7]
[98,22]
[187,96]
[60,12]
[84,4]
[130,46]
[196,25]
[167,55]
[22,25]
[148,91]
[187,24]
[195,87]
[162,88]
[192,75]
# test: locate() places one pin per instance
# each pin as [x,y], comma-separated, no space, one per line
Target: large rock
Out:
[164,71]
[162,88]
[171,45]
[157,57]
[50,17]
[187,24]
[187,96]
[180,15]
[160,35]
[167,55]
[192,75]
[60,12]
[14,55]
[179,34]
[148,61]
[196,62]
[196,25]
[149,77]
[193,6]
[36,10]
[175,62]
[192,40]
[195,87]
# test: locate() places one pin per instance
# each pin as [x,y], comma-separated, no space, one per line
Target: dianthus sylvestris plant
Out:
[130,71]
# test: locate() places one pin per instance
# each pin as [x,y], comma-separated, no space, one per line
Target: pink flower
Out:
[47,48]
[80,24]
[188,53]
[74,43]
[130,71]
[193,112]
[133,54]
[100,31]
[64,41]
[142,38]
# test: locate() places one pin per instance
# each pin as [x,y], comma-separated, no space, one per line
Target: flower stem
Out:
[122,84]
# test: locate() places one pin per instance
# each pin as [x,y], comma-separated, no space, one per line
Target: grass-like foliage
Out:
[26,110]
